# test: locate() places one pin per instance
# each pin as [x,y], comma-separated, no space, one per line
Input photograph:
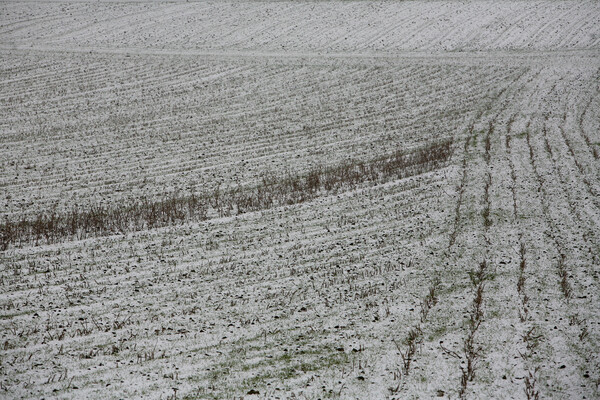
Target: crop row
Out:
[274,191]
[224,124]
[221,291]
[305,26]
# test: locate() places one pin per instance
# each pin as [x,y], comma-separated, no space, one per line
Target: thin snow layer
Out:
[477,280]
[86,129]
[333,26]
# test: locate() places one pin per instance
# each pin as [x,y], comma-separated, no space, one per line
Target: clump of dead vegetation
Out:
[51,227]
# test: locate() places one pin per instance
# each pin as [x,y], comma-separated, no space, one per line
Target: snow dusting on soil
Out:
[472,276]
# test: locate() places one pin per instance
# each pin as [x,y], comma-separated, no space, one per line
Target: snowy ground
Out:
[483,273]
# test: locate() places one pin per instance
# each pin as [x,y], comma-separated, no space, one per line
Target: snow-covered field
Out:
[475,277]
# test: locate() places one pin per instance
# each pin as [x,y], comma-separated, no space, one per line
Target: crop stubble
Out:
[474,277]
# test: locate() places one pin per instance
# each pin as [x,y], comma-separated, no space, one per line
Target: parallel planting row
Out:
[286,300]
[523,250]
[476,279]
[226,209]
[121,129]
[284,26]
[274,191]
